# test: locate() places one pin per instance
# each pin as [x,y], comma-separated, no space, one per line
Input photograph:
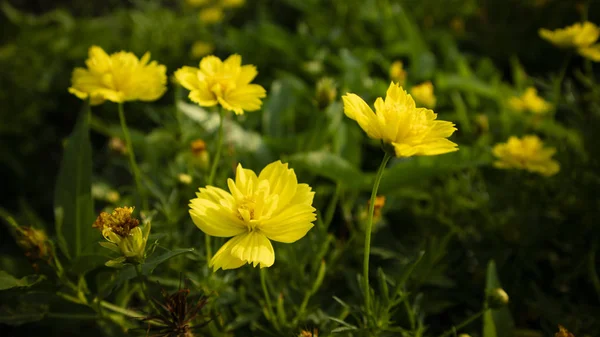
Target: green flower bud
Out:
[497,298]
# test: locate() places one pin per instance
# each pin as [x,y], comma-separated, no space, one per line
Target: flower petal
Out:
[211,212]
[223,258]
[356,108]
[255,248]
[282,181]
[211,65]
[243,98]
[293,222]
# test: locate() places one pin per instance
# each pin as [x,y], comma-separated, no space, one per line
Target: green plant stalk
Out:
[263,283]
[464,323]
[213,171]
[367,251]
[132,162]
[559,80]
[331,207]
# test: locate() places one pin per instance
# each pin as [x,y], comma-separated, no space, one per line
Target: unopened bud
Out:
[397,72]
[497,298]
[117,145]
[325,92]
[185,179]
[201,158]
[34,242]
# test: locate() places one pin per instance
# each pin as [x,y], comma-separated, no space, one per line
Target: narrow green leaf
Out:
[24,313]
[73,203]
[8,281]
[496,322]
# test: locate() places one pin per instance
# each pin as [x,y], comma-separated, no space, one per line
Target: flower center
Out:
[245,209]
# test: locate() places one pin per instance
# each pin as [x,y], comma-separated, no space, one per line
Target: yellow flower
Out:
[123,234]
[211,15]
[397,73]
[423,94]
[562,332]
[201,48]
[591,53]
[184,178]
[118,77]
[223,82]
[575,36]
[530,101]
[410,130]
[270,206]
[528,154]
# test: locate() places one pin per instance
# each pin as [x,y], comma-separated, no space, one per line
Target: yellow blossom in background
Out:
[124,235]
[118,77]
[562,332]
[223,82]
[410,130]
[423,94]
[270,206]
[232,3]
[530,101]
[528,154]
[184,178]
[211,15]
[575,36]
[201,48]
[591,53]
[397,72]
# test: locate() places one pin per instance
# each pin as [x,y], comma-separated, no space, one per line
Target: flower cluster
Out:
[528,154]
[580,36]
[270,206]
[397,121]
[118,77]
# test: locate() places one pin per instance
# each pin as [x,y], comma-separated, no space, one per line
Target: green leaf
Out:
[417,169]
[331,166]
[496,322]
[25,312]
[8,281]
[73,203]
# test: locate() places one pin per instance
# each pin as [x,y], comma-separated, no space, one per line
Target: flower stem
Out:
[211,177]
[464,323]
[367,251]
[132,163]
[263,283]
[559,80]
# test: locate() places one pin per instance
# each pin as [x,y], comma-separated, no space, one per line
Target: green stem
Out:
[132,163]
[559,80]
[332,205]
[263,283]
[464,323]
[211,177]
[367,251]
[410,313]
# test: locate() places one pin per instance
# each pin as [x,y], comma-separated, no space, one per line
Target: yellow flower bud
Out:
[123,234]
[34,242]
[397,72]
[201,156]
[326,92]
[184,178]
[497,298]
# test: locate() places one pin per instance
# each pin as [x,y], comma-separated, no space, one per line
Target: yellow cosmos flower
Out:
[223,82]
[591,53]
[410,130]
[423,94]
[531,102]
[528,154]
[270,206]
[201,48]
[575,36]
[397,72]
[211,15]
[118,77]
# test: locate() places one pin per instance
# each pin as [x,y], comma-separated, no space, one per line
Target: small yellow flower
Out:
[118,77]
[113,196]
[184,178]
[423,94]
[211,15]
[528,154]
[223,82]
[577,35]
[270,206]
[397,72]
[201,48]
[530,101]
[117,144]
[410,130]
[307,333]
[123,234]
